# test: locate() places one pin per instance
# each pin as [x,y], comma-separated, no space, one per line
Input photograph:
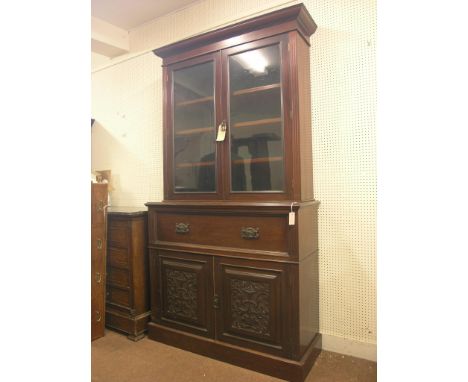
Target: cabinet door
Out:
[257,100]
[185,290]
[192,115]
[253,305]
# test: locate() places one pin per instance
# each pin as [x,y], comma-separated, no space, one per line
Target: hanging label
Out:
[292,218]
[221,132]
[292,215]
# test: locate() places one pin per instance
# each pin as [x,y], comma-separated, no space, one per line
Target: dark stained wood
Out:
[290,181]
[279,367]
[253,296]
[184,284]
[210,229]
[244,206]
[308,300]
[297,15]
[307,223]
[300,74]
[98,258]
[127,297]
[169,133]
[230,278]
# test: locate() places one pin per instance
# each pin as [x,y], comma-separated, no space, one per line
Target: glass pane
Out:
[194,121]
[256,120]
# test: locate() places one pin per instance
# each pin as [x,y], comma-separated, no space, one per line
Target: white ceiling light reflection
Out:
[253,60]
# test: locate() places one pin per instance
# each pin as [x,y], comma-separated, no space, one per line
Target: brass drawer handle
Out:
[100,205]
[98,277]
[99,244]
[182,228]
[250,233]
[98,316]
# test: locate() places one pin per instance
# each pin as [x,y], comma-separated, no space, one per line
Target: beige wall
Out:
[126,138]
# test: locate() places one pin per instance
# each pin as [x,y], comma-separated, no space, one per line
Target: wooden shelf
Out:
[194,131]
[258,122]
[195,164]
[194,101]
[257,160]
[256,89]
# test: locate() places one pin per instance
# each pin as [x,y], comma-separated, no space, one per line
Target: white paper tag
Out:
[292,218]
[221,134]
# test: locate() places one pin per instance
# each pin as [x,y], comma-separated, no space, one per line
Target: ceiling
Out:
[128,14]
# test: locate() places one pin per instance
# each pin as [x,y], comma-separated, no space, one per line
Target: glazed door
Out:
[252,309]
[185,291]
[256,91]
[192,113]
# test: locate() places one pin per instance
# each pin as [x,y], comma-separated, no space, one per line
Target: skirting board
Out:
[349,347]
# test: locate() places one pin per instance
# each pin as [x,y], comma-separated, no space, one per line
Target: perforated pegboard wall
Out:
[127,105]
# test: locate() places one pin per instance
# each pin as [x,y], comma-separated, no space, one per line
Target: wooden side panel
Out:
[139,252]
[98,259]
[308,301]
[308,275]
[305,118]
[307,222]
[301,116]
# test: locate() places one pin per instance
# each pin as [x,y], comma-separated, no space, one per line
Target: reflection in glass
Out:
[194,120]
[256,121]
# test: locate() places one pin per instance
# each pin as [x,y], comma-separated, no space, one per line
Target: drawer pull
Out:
[250,233]
[98,316]
[99,244]
[182,227]
[100,205]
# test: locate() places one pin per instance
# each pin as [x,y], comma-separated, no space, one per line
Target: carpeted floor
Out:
[114,358]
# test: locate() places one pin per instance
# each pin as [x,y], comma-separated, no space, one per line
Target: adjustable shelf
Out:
[195,164]
[194,131]
[195,101]
[258,122]
[257,160]
[256,89]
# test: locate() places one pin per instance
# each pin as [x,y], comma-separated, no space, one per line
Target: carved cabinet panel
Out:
[185,288]
[252,302]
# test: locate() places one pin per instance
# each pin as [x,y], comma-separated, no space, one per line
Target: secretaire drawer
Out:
[267,233]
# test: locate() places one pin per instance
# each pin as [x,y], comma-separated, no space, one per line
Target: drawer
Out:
[120,296]
[117,257]
[118,234]
[118,276]
[266,233]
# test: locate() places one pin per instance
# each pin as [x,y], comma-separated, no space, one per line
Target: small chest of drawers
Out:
[127,293]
